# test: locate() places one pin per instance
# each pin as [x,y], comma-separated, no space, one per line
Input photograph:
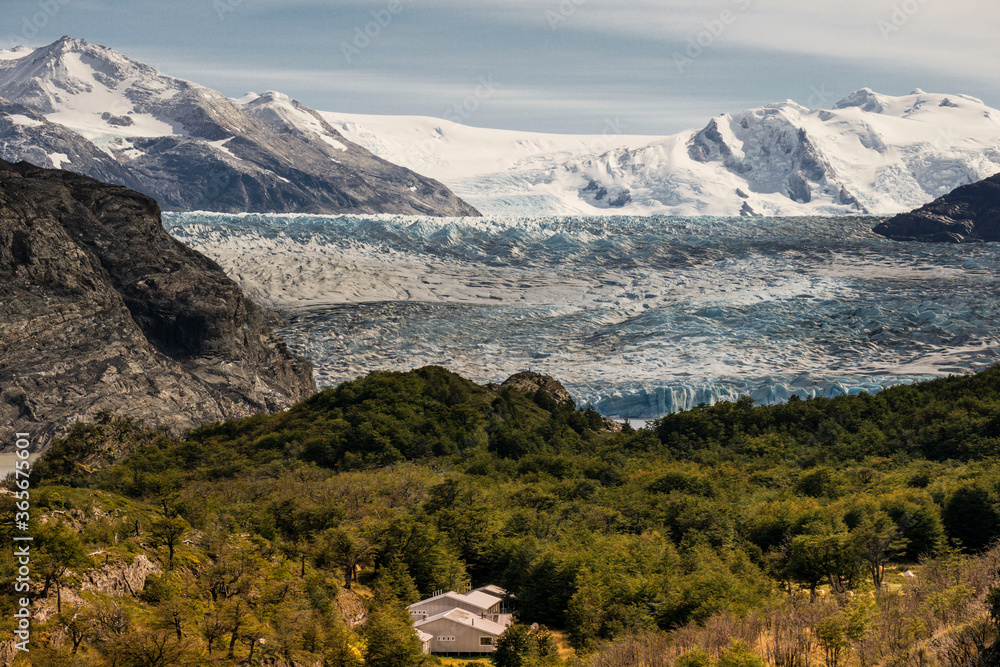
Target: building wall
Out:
[466,638]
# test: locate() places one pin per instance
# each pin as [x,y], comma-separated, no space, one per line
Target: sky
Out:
[576,66]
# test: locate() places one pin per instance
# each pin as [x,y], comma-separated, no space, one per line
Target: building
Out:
[475,602]
[425,641]
[490,589]
[462,622]
[461,631]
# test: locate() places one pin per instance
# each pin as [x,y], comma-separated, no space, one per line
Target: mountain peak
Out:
[179,136]
[866,99]
[72,74]
[66,44]
[275,95]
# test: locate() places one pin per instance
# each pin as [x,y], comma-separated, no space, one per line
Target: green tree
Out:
[823,552]
[169,532]
[516,648]
[970,515]
[59,550]
[391,639]
[878,540]
[695,658]
[346,549]
[740,655]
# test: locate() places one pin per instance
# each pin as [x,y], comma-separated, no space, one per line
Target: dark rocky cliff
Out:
[970,213]
[102,311]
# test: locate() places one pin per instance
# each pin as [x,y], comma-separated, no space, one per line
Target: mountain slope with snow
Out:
[870,153]
[192,148]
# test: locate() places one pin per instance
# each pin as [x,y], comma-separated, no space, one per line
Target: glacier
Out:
[637,316]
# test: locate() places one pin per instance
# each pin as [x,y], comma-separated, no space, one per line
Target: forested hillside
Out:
[732,534]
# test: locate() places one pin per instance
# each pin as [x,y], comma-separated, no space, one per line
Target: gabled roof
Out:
[450,595]
[476,599]
[467,619]
[424,637]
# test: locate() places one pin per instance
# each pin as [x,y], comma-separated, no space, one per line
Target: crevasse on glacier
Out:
[637,316]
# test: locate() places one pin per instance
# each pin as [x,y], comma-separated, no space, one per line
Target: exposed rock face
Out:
[970,213]
[191,148]
[768,150]
[27,135]
[530,382]
[119,579]
[606,196]
[102,310]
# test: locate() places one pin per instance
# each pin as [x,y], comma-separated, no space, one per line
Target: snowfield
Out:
[638,316]
[870,153]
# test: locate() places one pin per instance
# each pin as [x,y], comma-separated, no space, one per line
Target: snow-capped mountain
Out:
[869,153]
[90,109]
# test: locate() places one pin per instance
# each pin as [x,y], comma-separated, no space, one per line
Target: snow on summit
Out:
[91,89]
[870,153]
[100,113]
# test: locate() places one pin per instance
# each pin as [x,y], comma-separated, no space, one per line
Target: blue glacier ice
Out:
[638,316]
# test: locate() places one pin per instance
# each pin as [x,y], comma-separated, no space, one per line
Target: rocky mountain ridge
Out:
[102,311]
[90,109]
[969,214]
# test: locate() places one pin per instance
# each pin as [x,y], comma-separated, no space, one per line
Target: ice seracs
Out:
[637,316]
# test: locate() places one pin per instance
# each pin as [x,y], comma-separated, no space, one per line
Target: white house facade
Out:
[460,631]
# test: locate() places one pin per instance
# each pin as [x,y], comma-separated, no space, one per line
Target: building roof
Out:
[476,599]
[491,589]
[482,600]
[424,637]
[467,619]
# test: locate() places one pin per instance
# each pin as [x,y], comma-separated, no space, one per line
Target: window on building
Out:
[486,641]
[446,639]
